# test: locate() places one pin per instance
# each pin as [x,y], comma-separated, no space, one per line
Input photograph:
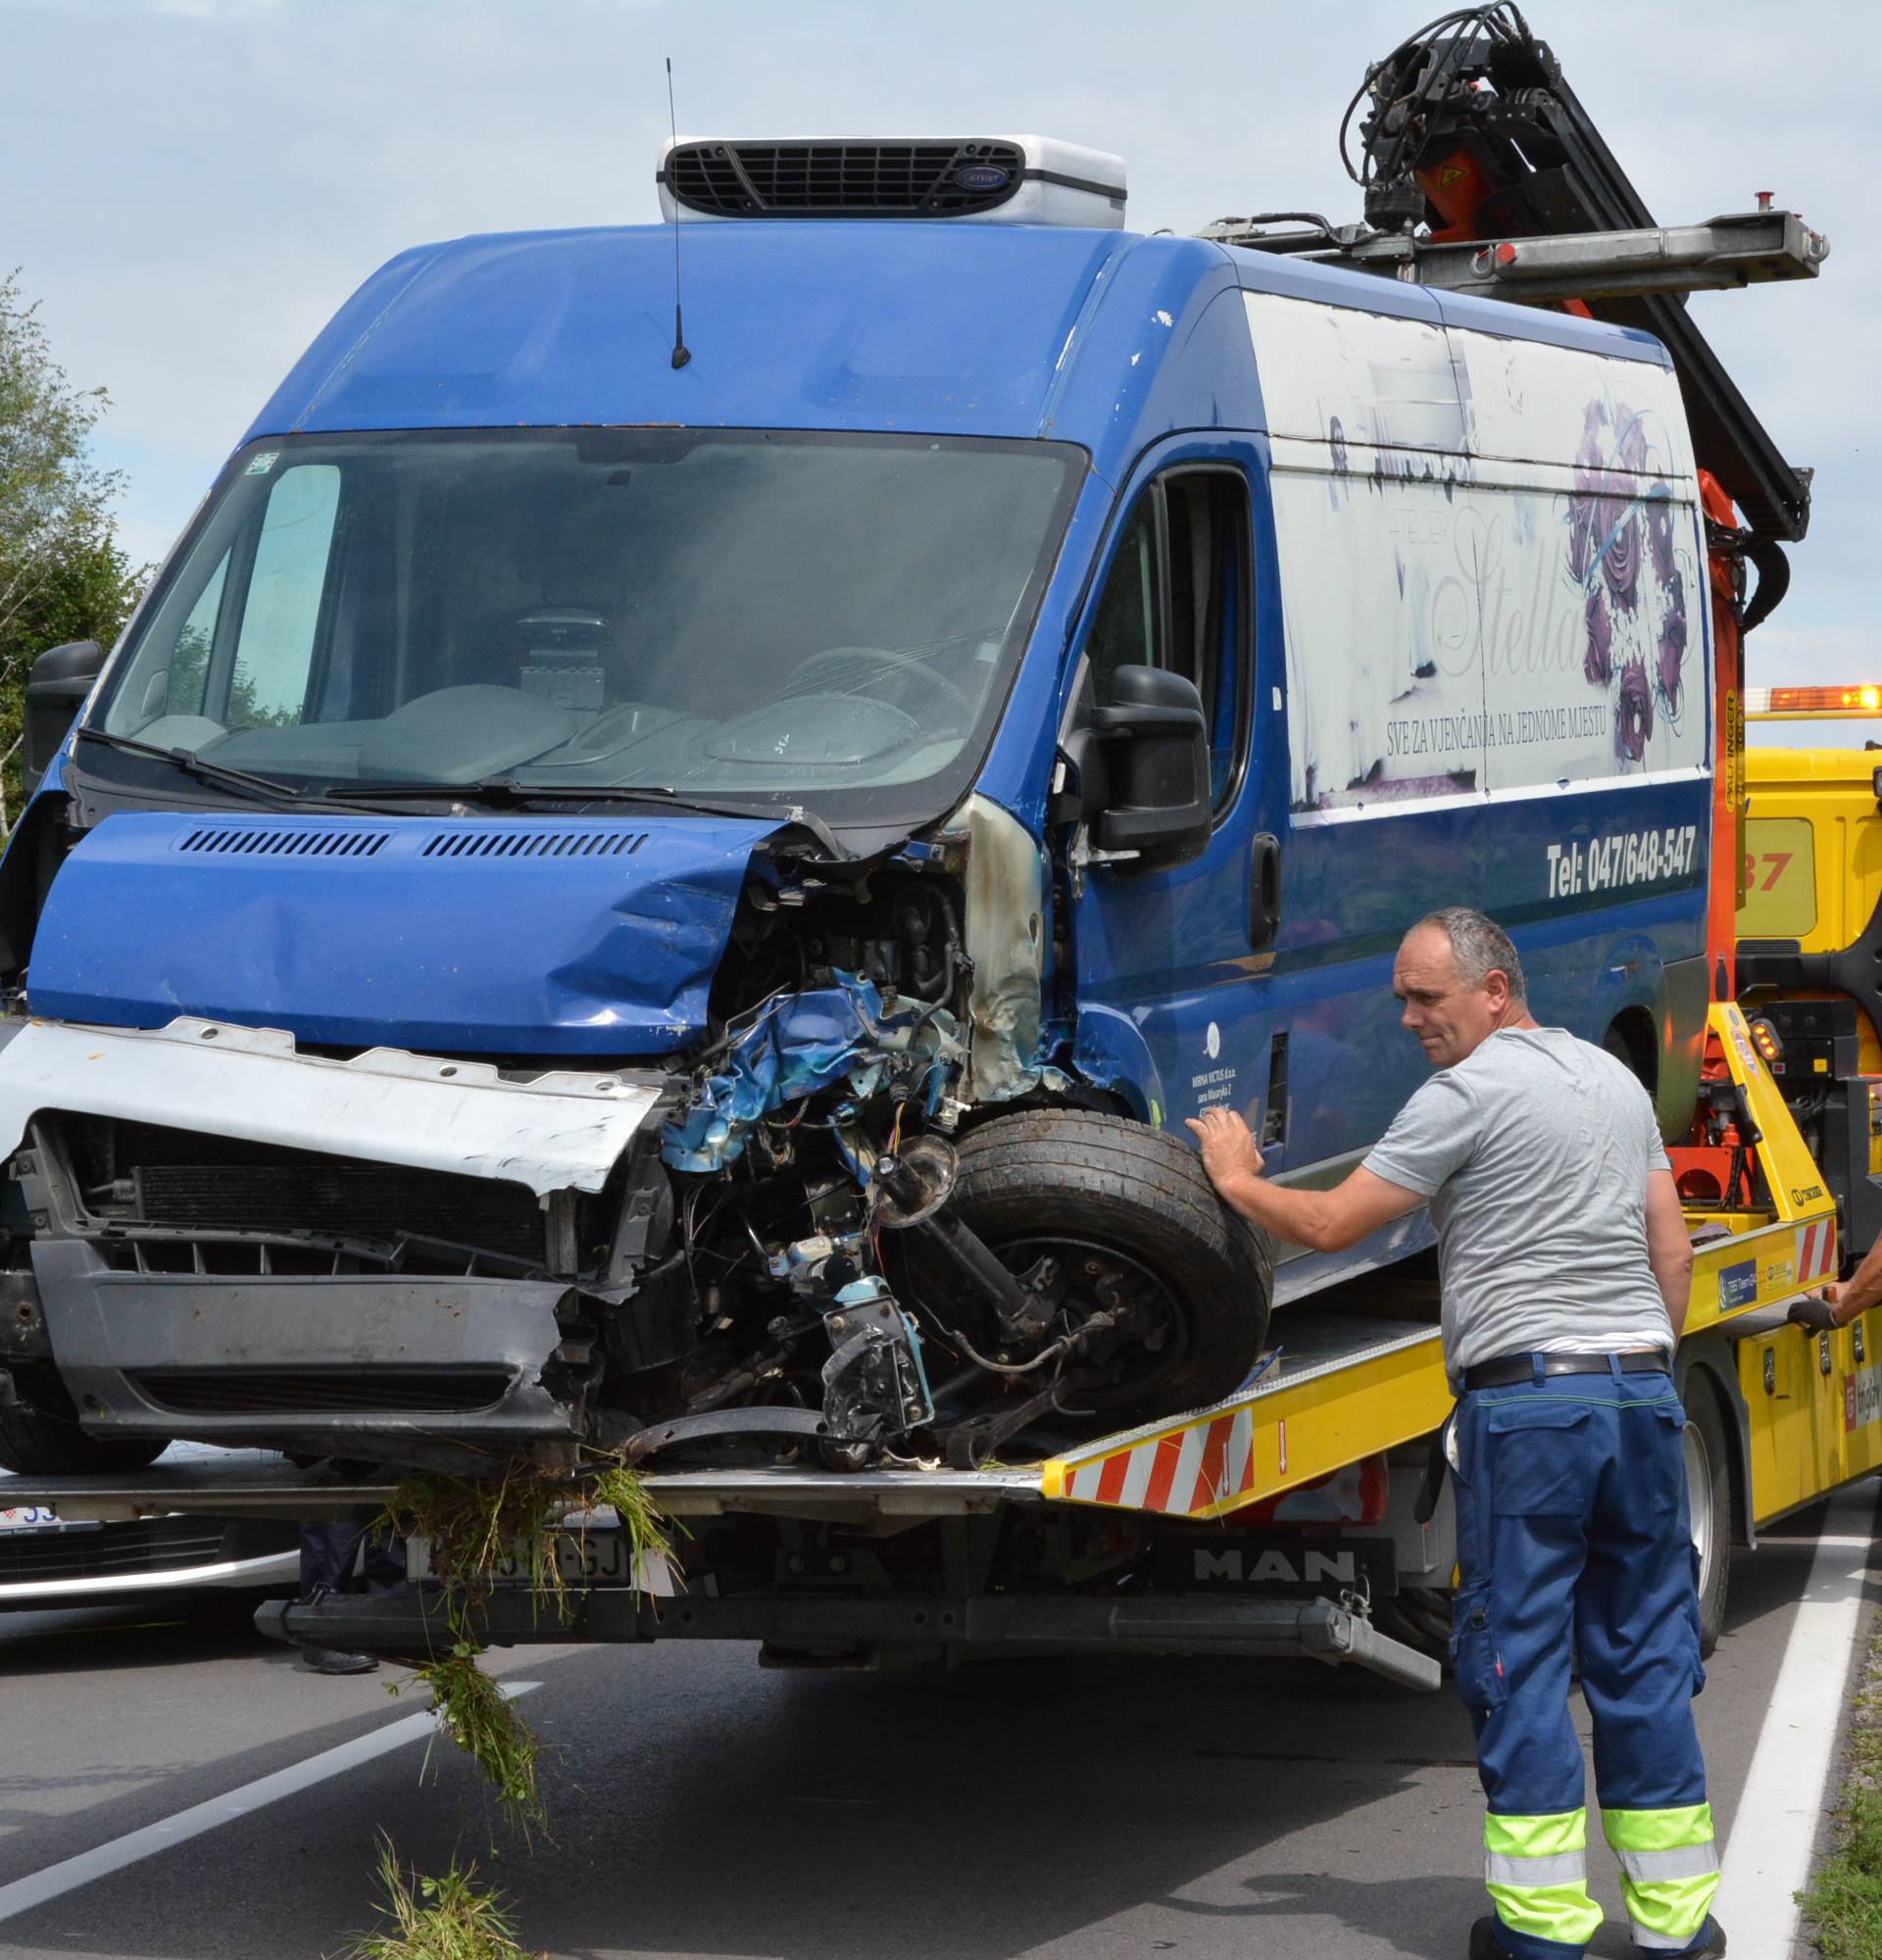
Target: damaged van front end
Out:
[242,1234]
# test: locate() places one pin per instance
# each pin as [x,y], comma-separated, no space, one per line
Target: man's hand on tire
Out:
[1228,1146]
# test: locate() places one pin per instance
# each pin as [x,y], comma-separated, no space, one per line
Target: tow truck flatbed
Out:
[1340,1387]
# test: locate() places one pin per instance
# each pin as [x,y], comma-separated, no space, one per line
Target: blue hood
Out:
[496,936]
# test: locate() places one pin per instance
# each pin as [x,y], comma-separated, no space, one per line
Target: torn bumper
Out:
[276,1297]
[333,1365]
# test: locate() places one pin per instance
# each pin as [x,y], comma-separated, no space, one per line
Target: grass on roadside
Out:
[1844,1907]
[448,1918]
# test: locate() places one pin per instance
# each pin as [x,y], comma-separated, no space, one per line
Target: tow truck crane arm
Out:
[1472,144]
[1473,128]
[1477,130]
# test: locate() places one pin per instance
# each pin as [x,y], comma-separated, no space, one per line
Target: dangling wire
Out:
[1502,22]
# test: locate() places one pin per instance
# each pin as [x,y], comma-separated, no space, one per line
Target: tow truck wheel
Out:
[1123,1212]
[1708,1495]
[37,1445]
[1420,1617]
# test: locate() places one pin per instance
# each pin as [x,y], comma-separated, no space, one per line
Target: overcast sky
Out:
[191,187]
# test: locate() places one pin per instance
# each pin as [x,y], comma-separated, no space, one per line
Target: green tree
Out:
[63,575]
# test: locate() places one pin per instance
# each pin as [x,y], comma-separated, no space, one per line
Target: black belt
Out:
[1514,1368]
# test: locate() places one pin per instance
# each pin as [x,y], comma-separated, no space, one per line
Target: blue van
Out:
[679,894]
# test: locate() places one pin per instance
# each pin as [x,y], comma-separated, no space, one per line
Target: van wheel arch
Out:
[1633,1040]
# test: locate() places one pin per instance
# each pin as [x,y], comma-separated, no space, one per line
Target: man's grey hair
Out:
[1480,947]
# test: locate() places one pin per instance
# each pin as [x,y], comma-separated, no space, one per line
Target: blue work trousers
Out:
[349,1558]
[1575,1549]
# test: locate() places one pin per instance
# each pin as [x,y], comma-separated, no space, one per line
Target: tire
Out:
[1639,1063]
[1420,1617]
[1104,1184]
[37,1445]
[1708,1493]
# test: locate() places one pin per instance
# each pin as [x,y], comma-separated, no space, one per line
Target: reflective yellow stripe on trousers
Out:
[1668,1872]
[1536,1870]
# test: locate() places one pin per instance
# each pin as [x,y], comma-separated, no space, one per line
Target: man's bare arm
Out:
[1669,1247]
[1327,1221]
[1856,1295]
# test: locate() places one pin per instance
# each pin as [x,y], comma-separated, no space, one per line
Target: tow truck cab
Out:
[565,815]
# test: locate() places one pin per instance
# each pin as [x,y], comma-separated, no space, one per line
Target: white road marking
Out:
[72,1872]
[1781,1809]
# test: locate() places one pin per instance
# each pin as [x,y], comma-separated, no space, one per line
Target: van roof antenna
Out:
[681,352]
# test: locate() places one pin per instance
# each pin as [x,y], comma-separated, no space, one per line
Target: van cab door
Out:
[1172,1011]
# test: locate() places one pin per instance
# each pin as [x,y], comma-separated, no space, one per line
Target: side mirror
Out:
[55,690]
[1143,767]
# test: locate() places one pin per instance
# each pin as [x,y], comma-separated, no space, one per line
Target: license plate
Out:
[29,1517]
[583,1558]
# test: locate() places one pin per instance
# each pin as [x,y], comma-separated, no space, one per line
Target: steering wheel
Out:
[842,670]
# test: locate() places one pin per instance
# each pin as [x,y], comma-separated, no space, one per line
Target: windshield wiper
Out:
[218,775]
[497,791]
[506,793]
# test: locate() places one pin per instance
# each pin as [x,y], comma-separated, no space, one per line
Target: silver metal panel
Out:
[559,1132]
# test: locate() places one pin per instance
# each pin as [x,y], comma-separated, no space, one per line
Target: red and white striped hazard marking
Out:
[1816,1249]
[1189,1470]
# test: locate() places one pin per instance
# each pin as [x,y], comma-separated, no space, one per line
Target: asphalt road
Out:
[703,1807]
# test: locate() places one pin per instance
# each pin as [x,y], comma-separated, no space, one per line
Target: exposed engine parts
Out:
[861,1218]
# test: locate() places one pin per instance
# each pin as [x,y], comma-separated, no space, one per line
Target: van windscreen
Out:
[828,618]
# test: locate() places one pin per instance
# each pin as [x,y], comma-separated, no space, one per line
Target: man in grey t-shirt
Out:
[1565,1263]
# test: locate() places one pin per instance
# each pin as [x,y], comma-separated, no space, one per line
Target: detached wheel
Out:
[1122,1212]
[37,1445]
[1708,1495]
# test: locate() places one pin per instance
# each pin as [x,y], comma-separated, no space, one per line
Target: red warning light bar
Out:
[1812,703]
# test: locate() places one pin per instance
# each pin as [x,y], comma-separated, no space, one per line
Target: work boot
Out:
[336,1661]
[1485,1945]
[1711,1946]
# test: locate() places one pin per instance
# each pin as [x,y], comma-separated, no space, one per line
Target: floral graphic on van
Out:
[1598,663]
[1604,515]
[1660,531]
[1672,641]
[1620,551]
[1633,713]
[1623,556]
[1590,479]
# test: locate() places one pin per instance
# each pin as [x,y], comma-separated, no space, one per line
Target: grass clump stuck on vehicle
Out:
[622,1490]
[1844,1907]
[473,1528]
[448,1918]
[485,1724]
[474,1524]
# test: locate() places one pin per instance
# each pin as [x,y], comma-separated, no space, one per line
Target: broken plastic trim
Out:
[799,1043]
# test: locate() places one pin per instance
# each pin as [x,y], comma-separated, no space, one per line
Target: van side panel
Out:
[1490,561]
[1491,566]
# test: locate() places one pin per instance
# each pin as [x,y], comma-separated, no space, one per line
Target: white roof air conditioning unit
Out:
[1001,180]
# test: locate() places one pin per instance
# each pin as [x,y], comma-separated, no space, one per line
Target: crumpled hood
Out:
[492,935]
